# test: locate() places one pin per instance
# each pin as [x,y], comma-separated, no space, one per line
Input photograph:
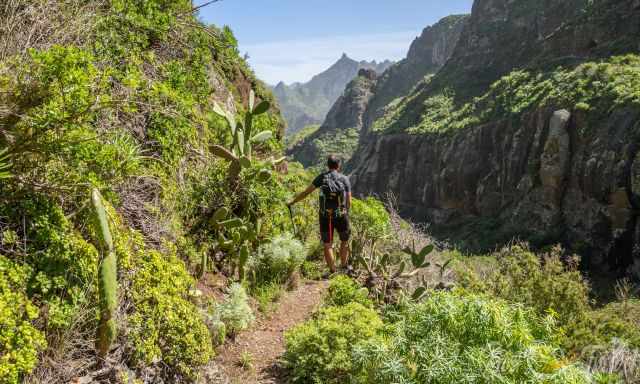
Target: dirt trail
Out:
[263,344]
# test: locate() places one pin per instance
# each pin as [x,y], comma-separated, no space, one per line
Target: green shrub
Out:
[343,290]
[20,341]
[165,325]
[278,259]
[235,311]
[319,350]
[370,223]
[62,265]
[312,270]
[458,338]
[545,283]
[266,295]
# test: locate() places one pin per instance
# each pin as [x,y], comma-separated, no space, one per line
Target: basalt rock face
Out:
[308,103]
[339,133]
[551,175]
[536,178]
[502,35]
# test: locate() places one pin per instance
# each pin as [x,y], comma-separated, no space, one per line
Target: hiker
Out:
[335,202]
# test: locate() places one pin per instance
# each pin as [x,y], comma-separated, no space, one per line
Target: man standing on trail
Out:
[335,202]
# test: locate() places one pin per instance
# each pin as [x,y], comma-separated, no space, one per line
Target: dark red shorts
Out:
[330,223]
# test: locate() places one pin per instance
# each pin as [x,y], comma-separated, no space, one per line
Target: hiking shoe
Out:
[327,275]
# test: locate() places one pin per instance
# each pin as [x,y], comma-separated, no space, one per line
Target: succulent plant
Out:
[108,282]
[235,235]
[385,271]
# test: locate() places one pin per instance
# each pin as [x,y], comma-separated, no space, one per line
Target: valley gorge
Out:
[553,172]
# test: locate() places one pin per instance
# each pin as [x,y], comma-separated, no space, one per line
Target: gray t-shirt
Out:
[319,181]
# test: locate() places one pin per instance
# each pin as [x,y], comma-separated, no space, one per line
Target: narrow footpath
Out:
[254,357]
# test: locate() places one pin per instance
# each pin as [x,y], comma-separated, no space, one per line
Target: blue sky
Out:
[292,40]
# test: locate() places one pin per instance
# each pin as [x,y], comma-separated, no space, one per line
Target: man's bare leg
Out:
[344,254]
[328,257]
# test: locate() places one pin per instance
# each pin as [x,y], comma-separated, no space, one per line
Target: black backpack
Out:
[332,194]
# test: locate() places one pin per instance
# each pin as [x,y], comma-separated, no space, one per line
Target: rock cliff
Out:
[552,172]
[339,133]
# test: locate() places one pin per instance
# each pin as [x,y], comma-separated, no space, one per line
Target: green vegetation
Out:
[593,86]
[319,351]
[108,285]
[343,290]
[235,311]
[20,341]
[548,285]
[124,108]
[515,316]
[277,260]
[460,338]
[319,145]
[301,135]
[166,325]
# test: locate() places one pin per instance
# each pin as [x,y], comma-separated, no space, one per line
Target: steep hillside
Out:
[546,153]
[110,137]
[308,103]
[366,96]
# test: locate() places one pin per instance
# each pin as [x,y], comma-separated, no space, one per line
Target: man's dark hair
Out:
[333,162]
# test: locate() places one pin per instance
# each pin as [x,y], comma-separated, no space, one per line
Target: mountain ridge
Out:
[307,103]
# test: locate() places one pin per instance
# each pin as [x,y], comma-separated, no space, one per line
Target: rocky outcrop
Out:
[308,103]
[537,176]
[502,35]
[550,175]
[339,133]
[427,54]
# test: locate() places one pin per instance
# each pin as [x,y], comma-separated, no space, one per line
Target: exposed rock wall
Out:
[550,175]
[427,54]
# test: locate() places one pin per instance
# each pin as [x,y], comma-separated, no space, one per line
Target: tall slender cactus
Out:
[108,281]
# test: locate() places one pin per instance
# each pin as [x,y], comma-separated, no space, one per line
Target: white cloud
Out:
[299,60]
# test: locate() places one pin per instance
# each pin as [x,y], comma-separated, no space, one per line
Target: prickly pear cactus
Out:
[108,281]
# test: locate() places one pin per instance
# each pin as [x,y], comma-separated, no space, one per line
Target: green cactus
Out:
[108,281]
[241,132]
[203,264]
[242,261]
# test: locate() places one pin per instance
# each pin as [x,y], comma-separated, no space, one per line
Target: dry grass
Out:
[405,233]
[616,358]
[42,23]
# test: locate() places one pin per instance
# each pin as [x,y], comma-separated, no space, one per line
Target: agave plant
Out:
[5,165]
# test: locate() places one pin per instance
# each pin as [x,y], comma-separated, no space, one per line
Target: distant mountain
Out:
[366,96]
[308,103]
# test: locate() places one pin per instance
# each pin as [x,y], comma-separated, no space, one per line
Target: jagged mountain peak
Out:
[308,103]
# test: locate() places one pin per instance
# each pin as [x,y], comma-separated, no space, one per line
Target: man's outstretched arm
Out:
[303,195]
